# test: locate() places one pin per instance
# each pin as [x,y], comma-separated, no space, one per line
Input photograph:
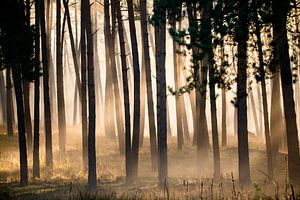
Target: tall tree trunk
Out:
[243,150]
[136,77]
[26,94]
[208,54]
[126,95]
[177,99]
[280,12]
[51,76]
[117,95]
[36,135]
[16,71]
[9,103]
[264,93]
[73,47]
[109,96]
[47,109]
[160,56]
[92,176]
[150,104]
[84,119]
[60,82]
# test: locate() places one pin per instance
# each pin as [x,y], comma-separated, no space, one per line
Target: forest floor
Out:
[187,180]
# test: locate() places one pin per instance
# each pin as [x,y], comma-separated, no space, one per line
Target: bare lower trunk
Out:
[160,56]
[36,135]
[280,12]
[60,82]
[92,176]
[264,94]
[84,119]
[136,74]
[109,95]
[47,108]
[117,95]
[16,71]
[128,163]
[243,150]
[150,104]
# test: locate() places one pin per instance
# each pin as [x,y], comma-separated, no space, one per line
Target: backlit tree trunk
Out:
[280,12]
[136,77]
[243,150]
[150,104]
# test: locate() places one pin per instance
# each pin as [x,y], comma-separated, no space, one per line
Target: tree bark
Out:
[92,176]
[16,71]
[243,150]
[117,95]
[136,77]
[36,134]
[128,167]
[264,93]
[109,95]
[150,104]
[84,119]
[60,82]
[160,56]
[280,12]
[47,108]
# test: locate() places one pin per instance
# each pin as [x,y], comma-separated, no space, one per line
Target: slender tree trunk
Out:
[136,74]
[150,104]
[9,103]
[26,94]
[126,95]
[207,12]
[243,150]
[109,95]
[73,47]
[92,176]
[51,76]
[16,71]
[117,95]
[84,119]
[60,82]
[160,56]
[47,109]
[36,135]
[264,93]
[280,12]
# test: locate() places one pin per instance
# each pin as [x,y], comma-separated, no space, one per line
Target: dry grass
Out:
[187,179]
